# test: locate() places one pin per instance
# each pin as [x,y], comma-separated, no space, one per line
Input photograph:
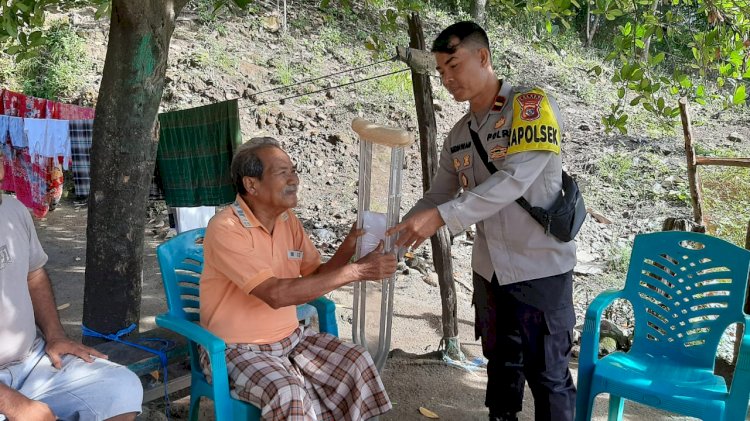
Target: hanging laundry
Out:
[4,125]
[49,149]
[53,109]
[48,138]
[7,153]
[2,107]
[73,112]
[19,105]
[16,132]
[187,219]
[81,134]
[19,178]
[196,147]
[11,135]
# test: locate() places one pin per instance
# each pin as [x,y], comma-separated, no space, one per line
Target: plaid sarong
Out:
[81,133]
[195,151]
[307,376]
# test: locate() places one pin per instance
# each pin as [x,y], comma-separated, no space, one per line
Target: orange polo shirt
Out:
[239,255]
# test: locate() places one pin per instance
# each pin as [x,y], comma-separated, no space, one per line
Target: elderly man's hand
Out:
[58,347]
[349,245]
[419,227]
[375,265]
[24,409]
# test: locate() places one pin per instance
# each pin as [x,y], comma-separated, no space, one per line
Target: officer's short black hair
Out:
[465,32]
[247,163]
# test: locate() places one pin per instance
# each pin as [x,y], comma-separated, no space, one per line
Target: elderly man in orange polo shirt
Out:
[259,264]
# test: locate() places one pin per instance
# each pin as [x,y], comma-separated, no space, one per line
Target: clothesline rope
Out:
[325,89]
[324,76]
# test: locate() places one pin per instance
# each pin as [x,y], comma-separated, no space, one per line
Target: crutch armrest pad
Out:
[382,135]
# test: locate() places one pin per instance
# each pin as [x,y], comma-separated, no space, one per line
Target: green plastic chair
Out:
[181,263]
[686,289]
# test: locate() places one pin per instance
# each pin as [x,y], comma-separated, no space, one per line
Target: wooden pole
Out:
[727,162]
[694,179]
[441,251]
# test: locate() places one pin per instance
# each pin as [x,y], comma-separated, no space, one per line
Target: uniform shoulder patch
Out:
[535,126]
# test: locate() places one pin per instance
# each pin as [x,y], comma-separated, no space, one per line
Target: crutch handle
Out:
[382,135]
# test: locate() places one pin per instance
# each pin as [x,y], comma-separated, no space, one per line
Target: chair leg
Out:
[195,403]
[584,401]
[616,406]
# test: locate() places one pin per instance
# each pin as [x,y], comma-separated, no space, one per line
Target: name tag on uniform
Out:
[294,255]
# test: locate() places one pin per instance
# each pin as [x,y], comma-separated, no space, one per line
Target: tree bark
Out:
[647,41]
[591,26]
[441,246]
[694,178]
[122,160]
[478,11]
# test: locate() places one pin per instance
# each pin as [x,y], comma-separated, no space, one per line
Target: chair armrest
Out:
[192,331]
[592,326]
[326,315]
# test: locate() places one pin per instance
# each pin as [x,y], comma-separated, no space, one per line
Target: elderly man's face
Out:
[278,187]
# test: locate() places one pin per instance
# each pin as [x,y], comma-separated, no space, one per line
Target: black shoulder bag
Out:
[564,219]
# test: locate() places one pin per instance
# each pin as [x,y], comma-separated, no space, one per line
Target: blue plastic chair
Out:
[686,289]
[181,263]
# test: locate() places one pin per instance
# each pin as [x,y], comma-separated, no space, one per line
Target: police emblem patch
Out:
[498,152]
[464,180]
[456,163]
[529,105]
[500,122]
[467,160]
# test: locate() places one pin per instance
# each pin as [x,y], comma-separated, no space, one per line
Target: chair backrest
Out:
[181,264]
[686,289]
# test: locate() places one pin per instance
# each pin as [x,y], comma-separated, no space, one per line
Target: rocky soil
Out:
[631,183]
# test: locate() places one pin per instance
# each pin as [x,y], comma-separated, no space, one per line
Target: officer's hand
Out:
[58,347]
[419,227]
[375,265]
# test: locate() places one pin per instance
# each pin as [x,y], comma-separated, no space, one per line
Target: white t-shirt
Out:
[20,253]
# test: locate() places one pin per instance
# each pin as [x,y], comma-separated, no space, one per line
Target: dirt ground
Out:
[413,376]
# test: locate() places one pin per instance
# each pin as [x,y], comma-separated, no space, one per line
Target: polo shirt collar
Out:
[246,216]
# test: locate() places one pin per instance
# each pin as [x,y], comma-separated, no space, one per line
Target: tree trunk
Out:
[591,25]
[441,246]
[647,41]
[478,11]
[122,159]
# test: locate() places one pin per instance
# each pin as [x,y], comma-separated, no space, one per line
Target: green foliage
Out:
[58,68]
[216,57]
[615,168]
[726,199]
[21,26]
[619,259]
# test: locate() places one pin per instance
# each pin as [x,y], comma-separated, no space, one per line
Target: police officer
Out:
[505,147]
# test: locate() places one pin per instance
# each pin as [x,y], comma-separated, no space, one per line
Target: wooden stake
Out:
[727,162]
[441,250]
[694,179]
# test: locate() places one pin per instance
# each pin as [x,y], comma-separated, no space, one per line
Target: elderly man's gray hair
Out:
[246,162]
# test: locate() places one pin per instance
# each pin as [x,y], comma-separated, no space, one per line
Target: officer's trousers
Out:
[526,330]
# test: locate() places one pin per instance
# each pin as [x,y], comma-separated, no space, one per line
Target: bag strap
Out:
[493,169]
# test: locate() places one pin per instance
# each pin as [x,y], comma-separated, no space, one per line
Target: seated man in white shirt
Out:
[44,375]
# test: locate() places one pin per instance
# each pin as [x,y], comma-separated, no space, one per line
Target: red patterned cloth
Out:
[74,112]
[20,105]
